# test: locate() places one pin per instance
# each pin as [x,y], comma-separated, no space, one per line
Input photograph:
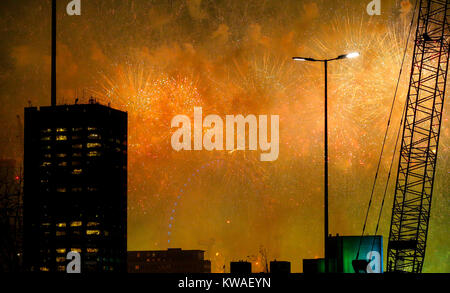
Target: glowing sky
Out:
[157,59]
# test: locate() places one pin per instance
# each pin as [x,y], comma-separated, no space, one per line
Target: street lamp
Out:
[325,62]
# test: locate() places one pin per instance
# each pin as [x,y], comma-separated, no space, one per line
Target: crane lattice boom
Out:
[420,139]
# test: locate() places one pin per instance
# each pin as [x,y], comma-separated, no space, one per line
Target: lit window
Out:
[77,189]
[92,250]
[93,145]
[92,128]
[60,259]
[61,225]
[48,156]
[62,164]
[77,171]
[76,155]
[75,224]
[76,250]
[92,232]
[136,267]
[91,224]
[61,129]
[46,164]
[44,269]
[45,224]
[45,138]
[77,129]
[62,155]
[61,250]
[93,154]
[47,130]
[61,137]
[61,268]
[77,146]
[94,136]
[60,233]
[62,189]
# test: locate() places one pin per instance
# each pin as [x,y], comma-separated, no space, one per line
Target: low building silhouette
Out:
[343,251]
[280,267]
[240,267]
[314,266]
[172,260]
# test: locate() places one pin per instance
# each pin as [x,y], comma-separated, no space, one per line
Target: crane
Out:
[420,139]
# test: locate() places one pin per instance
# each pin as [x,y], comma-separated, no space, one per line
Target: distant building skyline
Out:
[172,260]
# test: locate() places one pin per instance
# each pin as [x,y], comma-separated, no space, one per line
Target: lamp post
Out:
[325,62]
[53,69]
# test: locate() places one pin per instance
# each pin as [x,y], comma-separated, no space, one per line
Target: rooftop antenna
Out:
[53,70]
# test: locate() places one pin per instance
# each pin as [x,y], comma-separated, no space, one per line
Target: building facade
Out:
[75,187]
